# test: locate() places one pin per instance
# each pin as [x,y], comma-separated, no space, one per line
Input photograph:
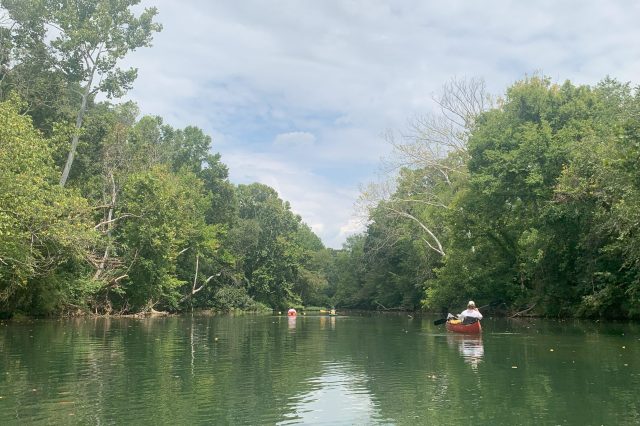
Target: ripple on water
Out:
[338,395]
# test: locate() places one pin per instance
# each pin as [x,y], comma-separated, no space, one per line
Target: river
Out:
[349,369]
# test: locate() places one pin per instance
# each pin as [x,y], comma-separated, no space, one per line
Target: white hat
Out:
[471,303]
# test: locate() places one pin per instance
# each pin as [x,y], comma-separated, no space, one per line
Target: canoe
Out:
[474,328]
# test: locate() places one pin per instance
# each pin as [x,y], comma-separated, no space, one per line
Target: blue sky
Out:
[298,94]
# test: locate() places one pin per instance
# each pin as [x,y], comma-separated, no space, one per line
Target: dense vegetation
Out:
[530,201]
[104,211]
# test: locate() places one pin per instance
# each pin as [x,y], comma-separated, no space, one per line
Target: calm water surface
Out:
[353,369]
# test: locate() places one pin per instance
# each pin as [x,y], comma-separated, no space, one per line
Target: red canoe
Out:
[474,328]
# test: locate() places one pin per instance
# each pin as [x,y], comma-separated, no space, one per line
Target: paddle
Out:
[440,321]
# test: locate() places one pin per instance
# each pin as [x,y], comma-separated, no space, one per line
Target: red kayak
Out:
[474,328]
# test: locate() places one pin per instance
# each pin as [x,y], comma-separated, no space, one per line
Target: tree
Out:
[110,130]
[350,269]
[86,40]
[429,162]
[311,283]
[166,221]
[44,229]
[598,190]
[515,236]
[265,246]
[28,70]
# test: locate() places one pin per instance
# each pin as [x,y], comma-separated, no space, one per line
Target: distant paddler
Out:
[292,312]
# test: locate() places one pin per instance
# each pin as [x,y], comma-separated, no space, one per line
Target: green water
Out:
[356,369]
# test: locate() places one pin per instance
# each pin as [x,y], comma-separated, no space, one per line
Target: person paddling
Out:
[468,316]
[471,314]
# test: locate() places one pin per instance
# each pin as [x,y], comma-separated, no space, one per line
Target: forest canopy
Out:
[527,201]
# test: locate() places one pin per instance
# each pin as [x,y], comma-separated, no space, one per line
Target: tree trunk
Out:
[76,133]
[108,222]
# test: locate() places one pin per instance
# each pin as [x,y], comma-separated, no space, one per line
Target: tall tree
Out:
[265,245]
[429,162]
[166,221]
[44,229]
[86,39]
[515,237]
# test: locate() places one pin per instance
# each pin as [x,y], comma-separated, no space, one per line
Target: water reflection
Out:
[338,396]
[356,369]
[323,322]
[292,323]
[470,346]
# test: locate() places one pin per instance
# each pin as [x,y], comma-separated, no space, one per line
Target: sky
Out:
[299,94]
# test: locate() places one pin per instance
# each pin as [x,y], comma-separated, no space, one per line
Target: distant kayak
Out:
[474,328]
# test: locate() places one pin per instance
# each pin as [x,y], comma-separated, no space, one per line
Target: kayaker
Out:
[471,314]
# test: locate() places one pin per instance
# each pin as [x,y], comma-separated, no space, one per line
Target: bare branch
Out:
[123,216]
[426,202]
[118,279]
[439,248]
[195,277]
[430,156]
[211,277]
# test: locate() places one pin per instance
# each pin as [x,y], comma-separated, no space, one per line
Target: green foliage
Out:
[265,245]
[228,298]
[533,202]
[348,274]
[542,212]
[153,221]
[104,31]
[164,217]
[44,229]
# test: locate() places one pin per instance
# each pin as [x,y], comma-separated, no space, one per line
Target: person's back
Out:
[470,312]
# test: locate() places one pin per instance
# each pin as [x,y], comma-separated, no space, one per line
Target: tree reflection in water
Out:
[470,346]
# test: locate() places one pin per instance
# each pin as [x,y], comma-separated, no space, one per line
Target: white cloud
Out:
[317,228]
[295,140]
[353,226]
[329,77]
